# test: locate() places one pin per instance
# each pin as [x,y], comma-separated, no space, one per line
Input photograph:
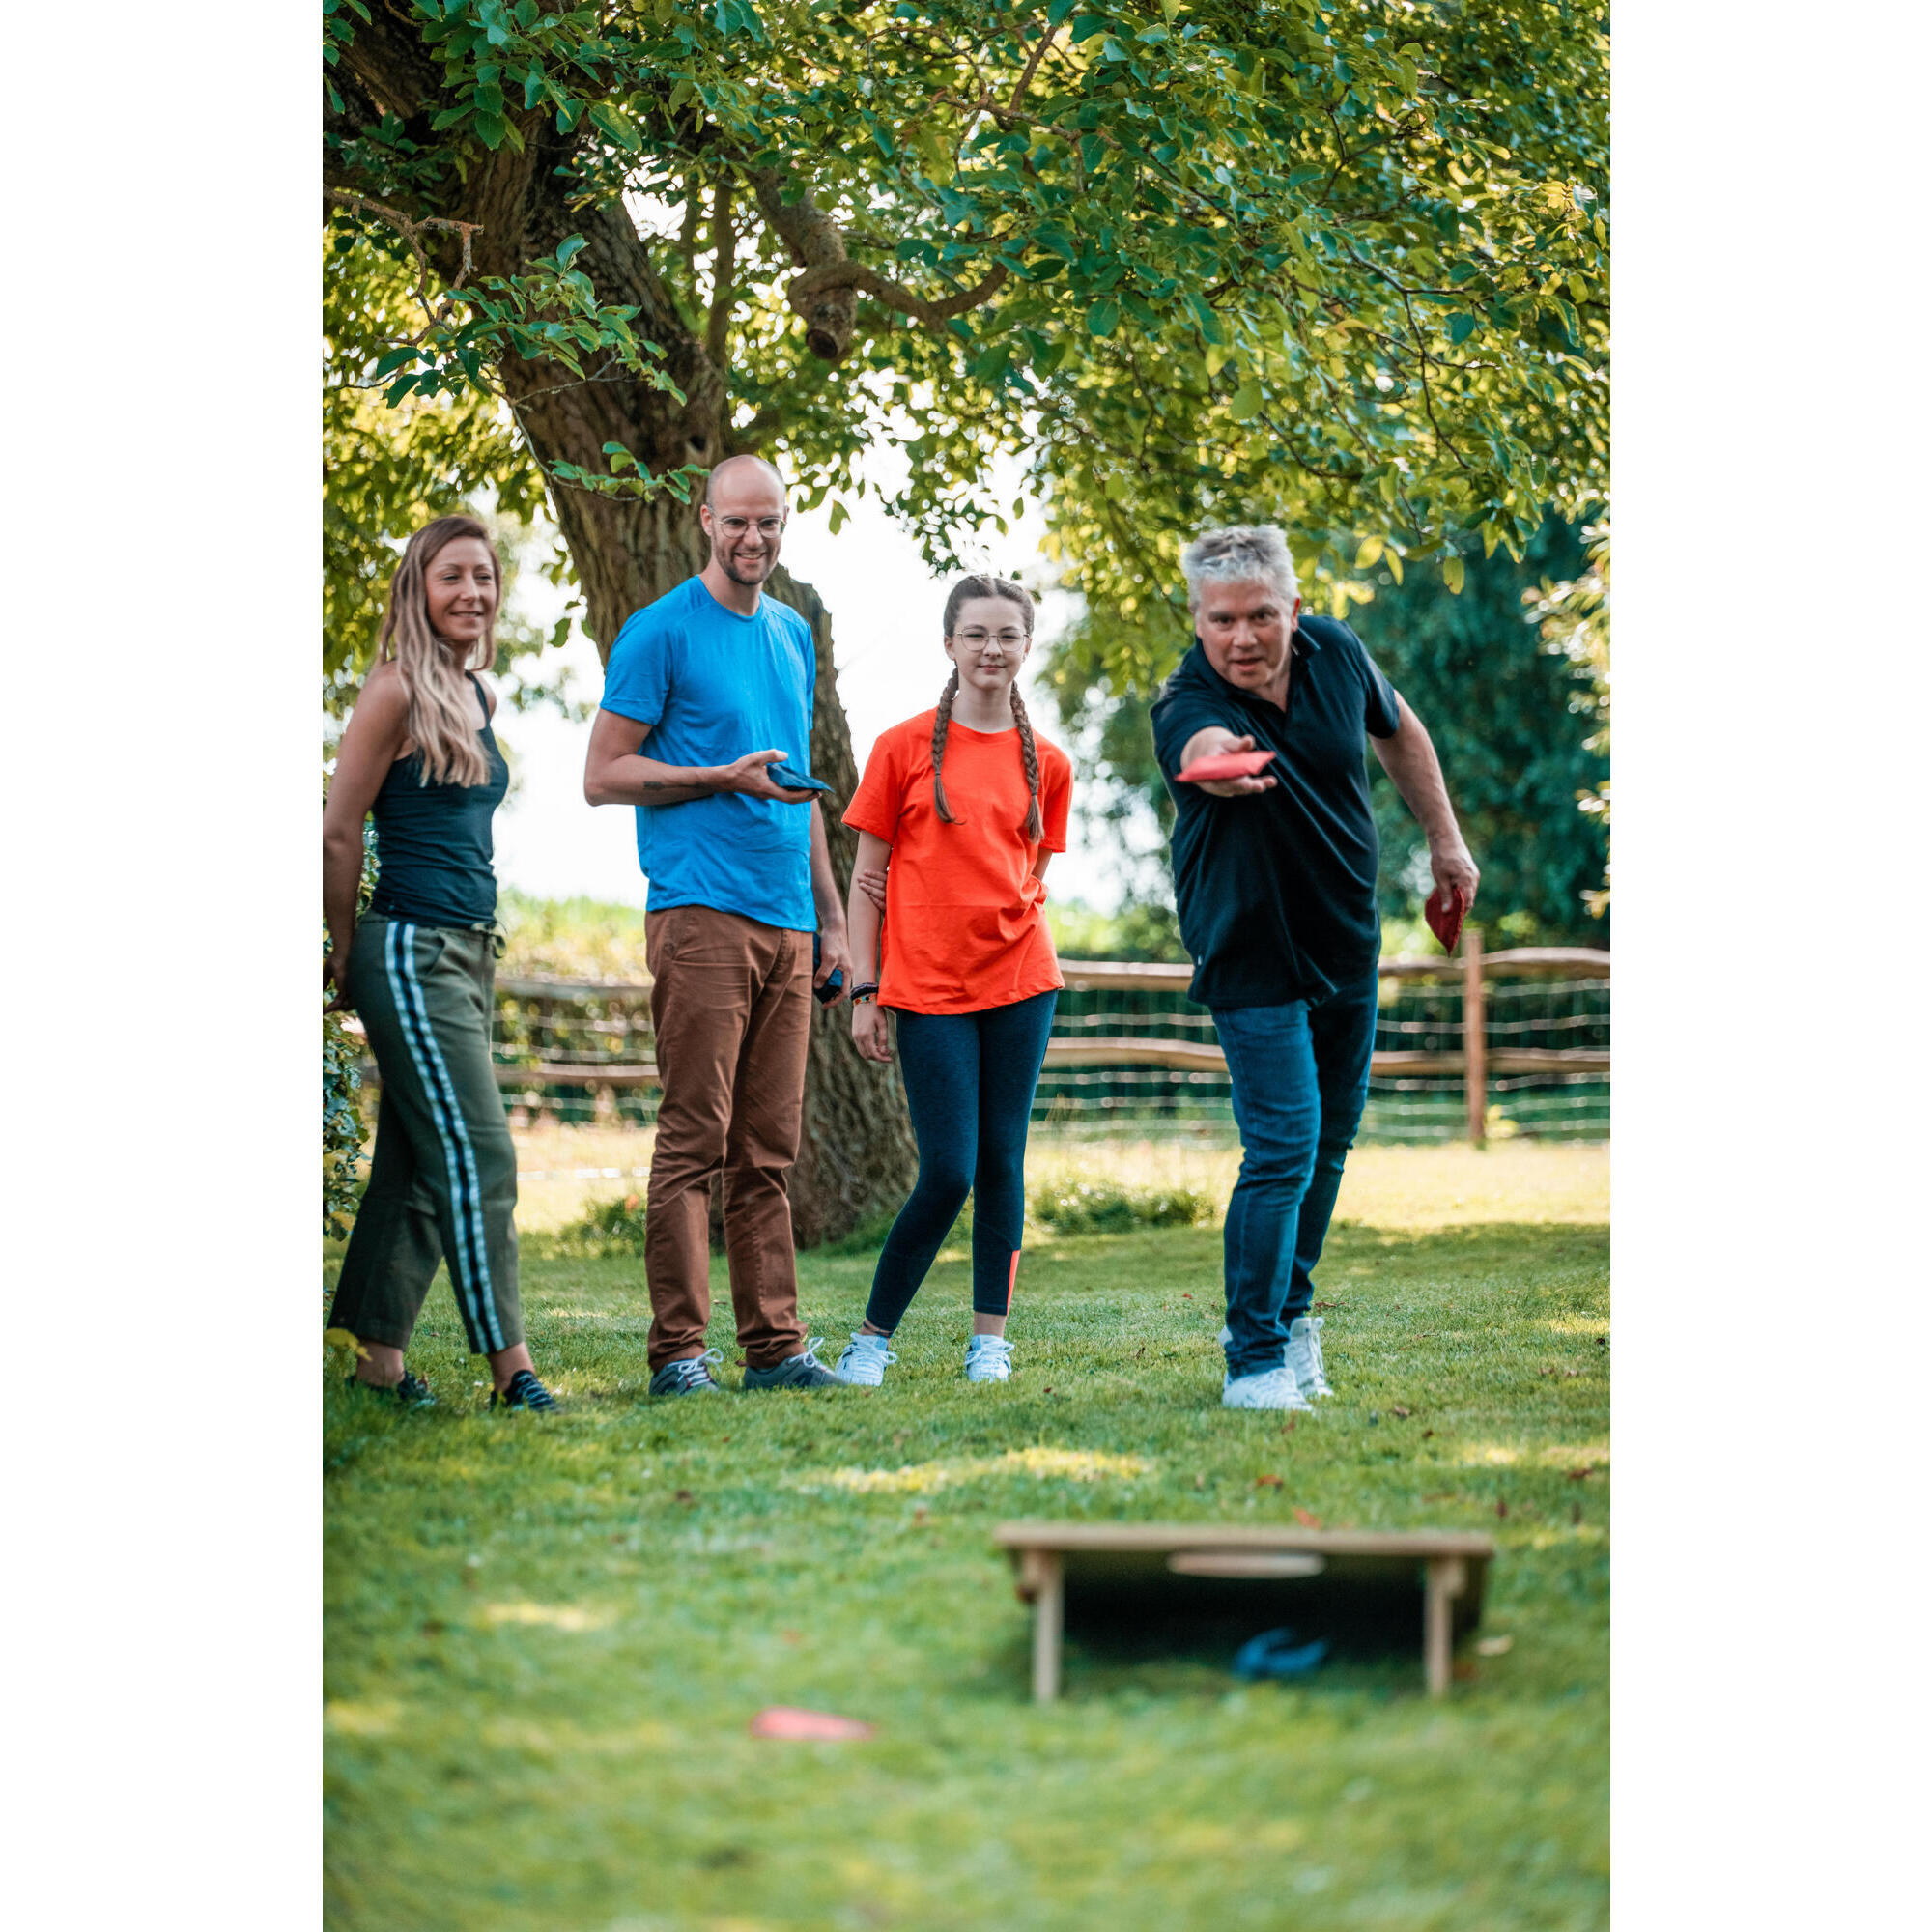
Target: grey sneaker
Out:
[1304,1356]
[690,1376]
[802,1370]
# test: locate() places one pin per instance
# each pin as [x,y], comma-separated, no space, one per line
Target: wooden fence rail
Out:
[1475,1064]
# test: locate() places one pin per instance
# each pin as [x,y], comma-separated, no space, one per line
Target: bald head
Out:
[747,467]
[743,515]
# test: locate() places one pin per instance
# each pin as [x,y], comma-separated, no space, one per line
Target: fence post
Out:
[1475,1015]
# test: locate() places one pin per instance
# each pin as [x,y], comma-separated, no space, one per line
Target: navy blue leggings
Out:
[968,1081]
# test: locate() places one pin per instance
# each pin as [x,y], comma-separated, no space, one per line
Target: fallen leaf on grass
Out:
[1288,1427]
[1267,1481]
[921,1517]
[792,1636]
[1307,1518]
[1578,1475]
[1187,1297]
[1326,1304]
[1503,1508]
[1493,1646]
[1401,1413]
[685,1496]
[1426,1434]
[1576,1512]
[1463,1670]
[1573,1372]
[781,1720]
[1201,1482]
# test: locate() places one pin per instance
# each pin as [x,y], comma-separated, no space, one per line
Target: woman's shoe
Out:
[524,1392]
[989,1358]
[865,1360]
[411,1392]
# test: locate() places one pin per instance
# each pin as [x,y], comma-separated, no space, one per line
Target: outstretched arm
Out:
[1410,759]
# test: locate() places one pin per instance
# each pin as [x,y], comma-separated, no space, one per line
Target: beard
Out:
[748,571]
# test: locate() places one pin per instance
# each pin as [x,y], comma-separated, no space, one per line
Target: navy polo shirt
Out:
[1276,890]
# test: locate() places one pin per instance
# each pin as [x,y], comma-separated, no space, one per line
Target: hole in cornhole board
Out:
[1136,1608]
[1189,1593]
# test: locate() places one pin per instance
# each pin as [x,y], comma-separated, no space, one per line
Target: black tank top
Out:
[433,845]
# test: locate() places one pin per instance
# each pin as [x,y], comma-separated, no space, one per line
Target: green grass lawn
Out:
[545,1636]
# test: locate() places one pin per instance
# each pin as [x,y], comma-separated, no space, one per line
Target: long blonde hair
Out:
[963,592]
[442,704]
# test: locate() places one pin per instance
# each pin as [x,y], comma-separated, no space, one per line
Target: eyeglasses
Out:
[736,527]
[1005,640]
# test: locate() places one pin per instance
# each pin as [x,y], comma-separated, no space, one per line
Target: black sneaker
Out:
[690,1376]
[803,1371]
[524,1392]
[411,1392]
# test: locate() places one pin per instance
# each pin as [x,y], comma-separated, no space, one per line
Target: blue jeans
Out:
[1300,1078]
[969,1082]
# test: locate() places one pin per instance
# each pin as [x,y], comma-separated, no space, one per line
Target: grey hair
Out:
[1241,554]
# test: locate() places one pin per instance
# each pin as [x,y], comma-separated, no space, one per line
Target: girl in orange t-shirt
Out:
[957,814]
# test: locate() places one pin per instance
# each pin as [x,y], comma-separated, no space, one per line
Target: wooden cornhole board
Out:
[1049,1556]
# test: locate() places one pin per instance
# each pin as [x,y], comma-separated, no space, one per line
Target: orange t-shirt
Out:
[965,923]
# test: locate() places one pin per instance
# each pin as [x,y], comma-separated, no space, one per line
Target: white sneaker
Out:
[989,1358]
[1304,1356]
[1227,1335]
[1266,1389]
[863,1360]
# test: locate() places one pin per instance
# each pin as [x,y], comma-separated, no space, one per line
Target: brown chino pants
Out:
[731,1006]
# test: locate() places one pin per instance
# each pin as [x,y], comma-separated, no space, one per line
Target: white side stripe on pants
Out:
[470,1265]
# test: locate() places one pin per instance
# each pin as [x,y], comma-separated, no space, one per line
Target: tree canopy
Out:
[1340,262]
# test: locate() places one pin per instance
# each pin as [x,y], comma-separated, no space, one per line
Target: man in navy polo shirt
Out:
[704,689]
[1274,878]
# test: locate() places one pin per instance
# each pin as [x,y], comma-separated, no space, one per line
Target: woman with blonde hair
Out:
[959,810]
[419,967]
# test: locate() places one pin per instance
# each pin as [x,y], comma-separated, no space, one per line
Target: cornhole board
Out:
[1450,1566]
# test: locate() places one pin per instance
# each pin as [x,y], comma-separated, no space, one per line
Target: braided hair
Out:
[984,584]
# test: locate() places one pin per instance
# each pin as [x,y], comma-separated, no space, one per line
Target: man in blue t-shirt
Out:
[1274,879]
[704,690]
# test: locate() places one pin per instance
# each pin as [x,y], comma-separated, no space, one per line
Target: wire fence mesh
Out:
[581,1052]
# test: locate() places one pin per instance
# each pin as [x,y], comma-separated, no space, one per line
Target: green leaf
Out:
[1248,402]
[1102,318]
[1452,574]
[1372,548]
[1462,327]
[836,522]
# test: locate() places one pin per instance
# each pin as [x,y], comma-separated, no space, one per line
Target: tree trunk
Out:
[857,1158]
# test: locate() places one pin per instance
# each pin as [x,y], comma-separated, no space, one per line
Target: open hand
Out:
[1209,744]
[748,776]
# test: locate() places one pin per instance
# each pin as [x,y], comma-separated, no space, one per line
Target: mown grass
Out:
[546,1637]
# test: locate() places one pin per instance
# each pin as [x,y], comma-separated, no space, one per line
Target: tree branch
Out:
[412,231]
[724,275]
[816,243]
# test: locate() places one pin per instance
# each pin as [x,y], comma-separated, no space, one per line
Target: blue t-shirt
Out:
[711,686]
